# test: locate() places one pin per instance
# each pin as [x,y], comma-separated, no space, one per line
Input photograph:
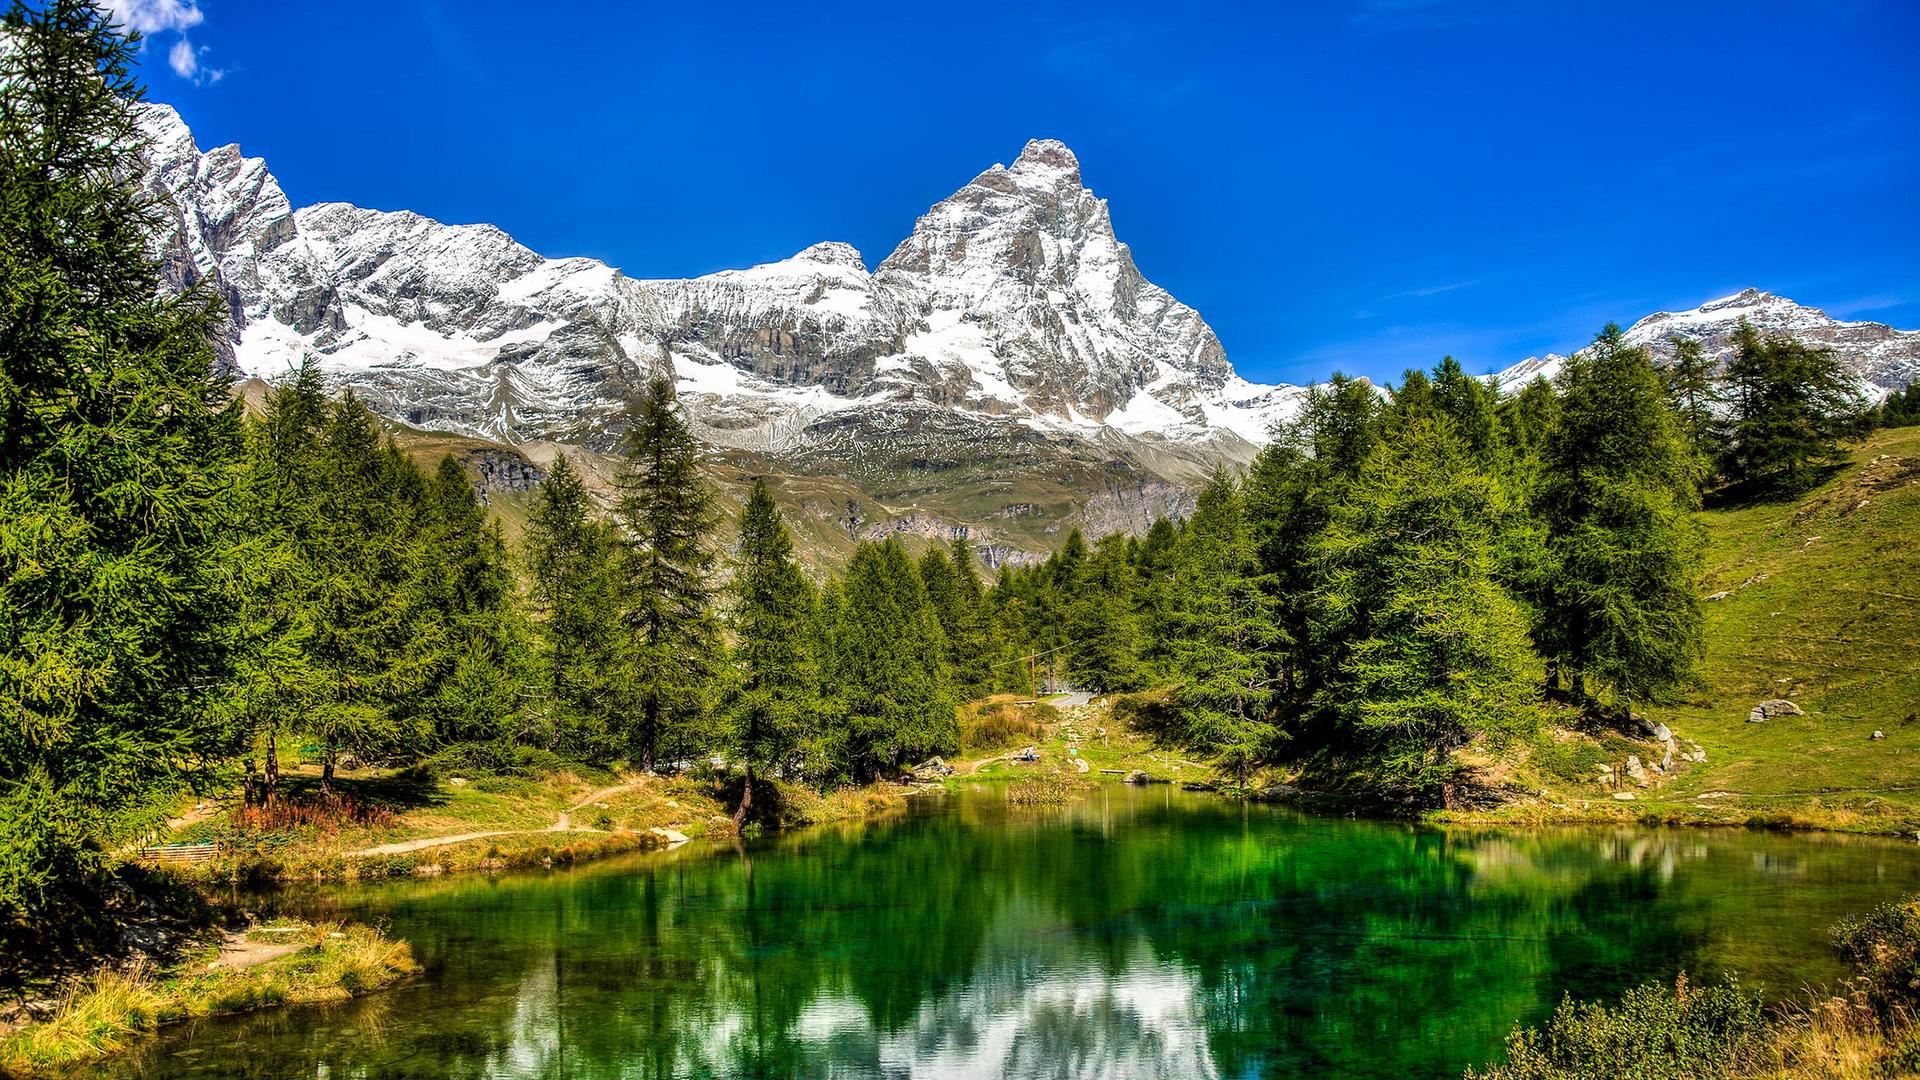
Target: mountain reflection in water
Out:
[1136,933]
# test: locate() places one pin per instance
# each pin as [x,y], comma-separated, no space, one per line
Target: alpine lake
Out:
[1132,932]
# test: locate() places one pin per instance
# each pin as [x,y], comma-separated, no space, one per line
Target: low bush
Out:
[1654,1032]
[1045,789]
[1000,722]
[1884,947]
[316,812]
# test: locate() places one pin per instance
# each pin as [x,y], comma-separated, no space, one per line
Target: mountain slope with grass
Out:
[1813,600]
[1821,607]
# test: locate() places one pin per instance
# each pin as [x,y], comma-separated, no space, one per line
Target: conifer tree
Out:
[272,591]
[1290,493]
[375,634]
[1902,407]
[775,704]
[666,517]
[1623,550]
[1789,404]
[1215,619]
[1471,404]
[890,667]
[1529,418]
[973,647]
[1432,651]
[1102,622]
[575,585]
[475,681]
[1690,387]
[116,450]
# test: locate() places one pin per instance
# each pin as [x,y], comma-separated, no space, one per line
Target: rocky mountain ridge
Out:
[1880,358]
[1006,370]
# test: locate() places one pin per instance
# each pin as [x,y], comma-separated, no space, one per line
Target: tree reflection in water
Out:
[1136,933]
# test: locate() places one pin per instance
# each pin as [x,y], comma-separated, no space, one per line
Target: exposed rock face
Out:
[503,471]
[1012,303]
[1880,358]
[1009,337]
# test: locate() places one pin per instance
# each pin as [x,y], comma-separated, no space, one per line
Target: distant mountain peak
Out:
[1048,159]
[1879,357]
[832,253]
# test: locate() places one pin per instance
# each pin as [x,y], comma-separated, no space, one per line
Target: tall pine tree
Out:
[585,651]
[775,705]
[1431,649]
[1215,630]
[1623,550]
[117,446]
[666,517]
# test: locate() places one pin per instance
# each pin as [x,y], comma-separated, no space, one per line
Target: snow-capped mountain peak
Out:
[1881,358]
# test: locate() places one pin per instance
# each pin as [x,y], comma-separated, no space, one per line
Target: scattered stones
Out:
[1637,772]
[1624,796]
[1771,708]
[1755,579]
[1277,792]
[1716,597]
[1606,771]
[1662,733]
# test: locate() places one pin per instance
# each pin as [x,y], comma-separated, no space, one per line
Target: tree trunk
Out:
[326,771]
[270,780]
[746,800]
[250,792]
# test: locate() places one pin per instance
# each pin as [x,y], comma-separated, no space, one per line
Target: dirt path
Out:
[603,793]
[563,824]
[239,954]
[405,846]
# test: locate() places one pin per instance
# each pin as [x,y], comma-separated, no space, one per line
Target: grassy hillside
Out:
[1822,607]
[1815,600]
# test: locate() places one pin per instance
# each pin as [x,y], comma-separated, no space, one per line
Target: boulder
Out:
[1623,796]
[1276,793]
[1138,777]
[1636,771]
[1646,726]
[1771,708]
[933,768]
[1879,734]
[1662,733]
[1721,595]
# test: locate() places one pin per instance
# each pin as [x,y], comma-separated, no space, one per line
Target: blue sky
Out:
[1363,185]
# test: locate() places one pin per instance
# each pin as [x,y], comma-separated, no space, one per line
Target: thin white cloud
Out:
[156,18]
[153,16]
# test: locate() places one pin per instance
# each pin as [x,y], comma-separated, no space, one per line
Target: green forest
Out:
[185,584]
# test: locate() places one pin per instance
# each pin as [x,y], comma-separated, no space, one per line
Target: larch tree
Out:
[1214,620]
[666,516]
[775,696]
[1789,403]
[572,561]
[1623,550]
[1432,650]
[117,452]
[1690,387]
